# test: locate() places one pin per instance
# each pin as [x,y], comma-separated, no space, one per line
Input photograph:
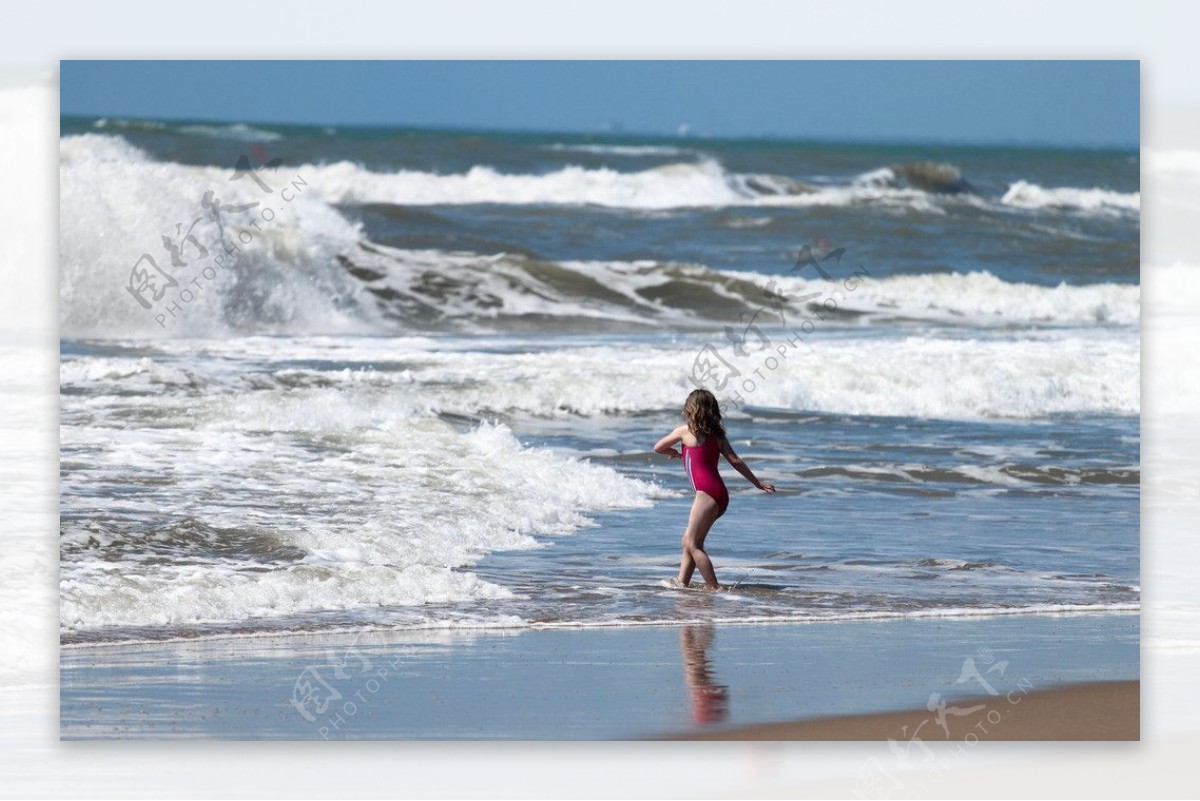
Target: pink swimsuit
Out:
[700,463]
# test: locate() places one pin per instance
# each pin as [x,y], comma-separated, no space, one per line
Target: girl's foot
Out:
[676,583]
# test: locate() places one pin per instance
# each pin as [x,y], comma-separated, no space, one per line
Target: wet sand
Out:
[848,680]
[1109,710]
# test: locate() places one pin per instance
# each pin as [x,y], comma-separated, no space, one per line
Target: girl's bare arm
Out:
[666,445]
[743,468]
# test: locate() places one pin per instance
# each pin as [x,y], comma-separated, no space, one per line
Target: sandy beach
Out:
[1092,711]
[848,680]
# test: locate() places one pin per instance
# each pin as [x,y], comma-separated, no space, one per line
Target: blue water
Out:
[424,390]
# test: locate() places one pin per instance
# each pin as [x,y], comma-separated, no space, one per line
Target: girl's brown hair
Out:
[703,414]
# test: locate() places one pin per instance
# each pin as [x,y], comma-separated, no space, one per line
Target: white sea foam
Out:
[173,595]
[238,132]
[699,184]
[116,204]
[978,298]
[120,123]
[884,176]
[664,187]
[988,474]
[130,373]
[1015,377]
[392,523]
[620,150]
[492,289]
[1031,196]
[670,186]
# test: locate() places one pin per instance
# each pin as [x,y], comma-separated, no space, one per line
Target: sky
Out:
[1072,103]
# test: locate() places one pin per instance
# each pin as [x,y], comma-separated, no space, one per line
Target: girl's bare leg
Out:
[704,513]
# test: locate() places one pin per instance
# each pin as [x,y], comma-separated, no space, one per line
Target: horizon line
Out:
[675,137]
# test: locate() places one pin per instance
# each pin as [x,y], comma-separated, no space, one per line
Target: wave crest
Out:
[1031,196]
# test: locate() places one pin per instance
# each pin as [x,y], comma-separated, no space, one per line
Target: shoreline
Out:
[335,632]
[1087,711]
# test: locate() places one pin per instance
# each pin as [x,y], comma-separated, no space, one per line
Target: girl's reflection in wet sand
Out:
[709,700]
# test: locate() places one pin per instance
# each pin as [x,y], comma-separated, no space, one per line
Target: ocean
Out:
[334,379]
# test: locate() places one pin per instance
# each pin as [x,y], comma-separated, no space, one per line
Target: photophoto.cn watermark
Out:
[752,355]
[211,242]
[910,750]
[332,694]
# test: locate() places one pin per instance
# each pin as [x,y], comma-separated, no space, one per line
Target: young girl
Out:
[703,439]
